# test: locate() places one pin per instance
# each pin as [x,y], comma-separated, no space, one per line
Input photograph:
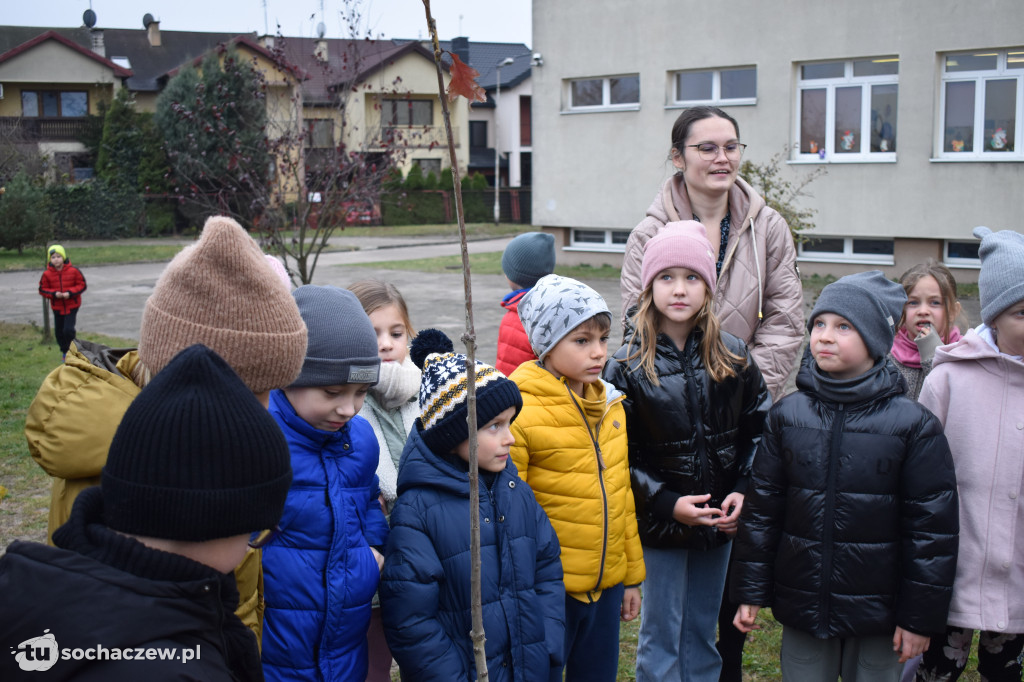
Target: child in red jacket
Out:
[526,259]
[63,284]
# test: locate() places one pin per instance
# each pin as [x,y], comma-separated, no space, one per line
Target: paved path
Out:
[116,295]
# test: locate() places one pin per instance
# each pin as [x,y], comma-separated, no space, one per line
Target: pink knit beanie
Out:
[221,292]
[681,244]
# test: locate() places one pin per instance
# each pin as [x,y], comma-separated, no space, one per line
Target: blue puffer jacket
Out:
[319,573]
[425,587]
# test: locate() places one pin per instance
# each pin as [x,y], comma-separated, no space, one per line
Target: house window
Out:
[981,110]
[847,110]
[408,112]
[716,86]
[614,92]
[53,103]
[321,133]
[848,250]
[961,254]
[429,166]
[599,240]
[478,134]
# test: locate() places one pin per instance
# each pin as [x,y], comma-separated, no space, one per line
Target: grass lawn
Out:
[24,487]
[138,251]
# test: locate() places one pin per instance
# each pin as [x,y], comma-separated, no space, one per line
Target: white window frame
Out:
[607,246]
[830,85]
[716,88]
[980,79]
[606,95]
[952,261]
[848,255]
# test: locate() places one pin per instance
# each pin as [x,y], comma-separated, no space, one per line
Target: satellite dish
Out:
[89,18]
[147,20]
[321,30]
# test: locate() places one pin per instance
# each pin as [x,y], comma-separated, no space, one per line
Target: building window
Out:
[716,86]
[981,110]
[53,104]
[847,110]
[478,134]
[961,254]
[599,240]
[614,92]
[320,133]
[429,166]
[408,112]
[848,250]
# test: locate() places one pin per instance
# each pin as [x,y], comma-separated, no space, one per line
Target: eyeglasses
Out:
[709,150]
[263,537]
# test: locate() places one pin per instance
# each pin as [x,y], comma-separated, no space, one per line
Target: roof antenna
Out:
[266,22]
[321,27]
[460,26]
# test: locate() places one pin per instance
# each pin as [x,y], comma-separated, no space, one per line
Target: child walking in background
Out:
[695,408]
[849,531]
[322,568]
[976,389]
[525,260]
[927,322]
[391,409]
[62,284]
[571,448]
[425,587]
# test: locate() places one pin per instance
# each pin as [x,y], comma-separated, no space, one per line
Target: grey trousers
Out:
[853,659]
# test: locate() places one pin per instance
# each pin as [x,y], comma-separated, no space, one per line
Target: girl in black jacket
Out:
[695,405]
[850,528]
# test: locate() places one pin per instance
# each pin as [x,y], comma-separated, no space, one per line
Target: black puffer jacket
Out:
[850,524]
[688,436]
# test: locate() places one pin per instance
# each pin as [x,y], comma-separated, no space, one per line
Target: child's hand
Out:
[630,603]
[746,614]
[908,644]
[927,341]
[732,505]
[688,513]
[379,557]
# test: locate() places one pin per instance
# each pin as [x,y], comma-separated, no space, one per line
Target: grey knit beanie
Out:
[1001,282]
[342,345]
[554,307]
[529,257]
[872,303]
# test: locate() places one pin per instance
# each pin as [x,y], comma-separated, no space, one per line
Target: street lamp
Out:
[497,139]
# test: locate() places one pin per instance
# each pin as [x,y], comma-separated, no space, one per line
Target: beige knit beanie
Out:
[222,293]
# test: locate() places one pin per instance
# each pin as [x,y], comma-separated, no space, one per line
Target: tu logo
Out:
[37,654]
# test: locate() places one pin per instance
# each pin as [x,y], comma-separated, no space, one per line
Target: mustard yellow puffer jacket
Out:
[69,427]
[582,485]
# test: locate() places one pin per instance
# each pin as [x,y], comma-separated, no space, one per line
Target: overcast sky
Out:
[482,20]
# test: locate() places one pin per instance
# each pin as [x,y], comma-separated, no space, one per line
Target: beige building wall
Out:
[602,169]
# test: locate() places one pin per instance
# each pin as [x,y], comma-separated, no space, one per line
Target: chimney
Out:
[152,27]
[98,46]
[460,46]
[320,51]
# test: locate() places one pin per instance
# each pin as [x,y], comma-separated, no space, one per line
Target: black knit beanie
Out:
[196,456]
[443,392]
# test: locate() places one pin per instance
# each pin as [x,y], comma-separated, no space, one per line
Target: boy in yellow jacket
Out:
[571,448]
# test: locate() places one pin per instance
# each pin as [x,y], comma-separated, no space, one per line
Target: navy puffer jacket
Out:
[425,587]
[850,523]
[689,435]
[319,572]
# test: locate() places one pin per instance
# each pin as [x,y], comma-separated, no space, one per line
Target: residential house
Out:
[51,79]
[914,109]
